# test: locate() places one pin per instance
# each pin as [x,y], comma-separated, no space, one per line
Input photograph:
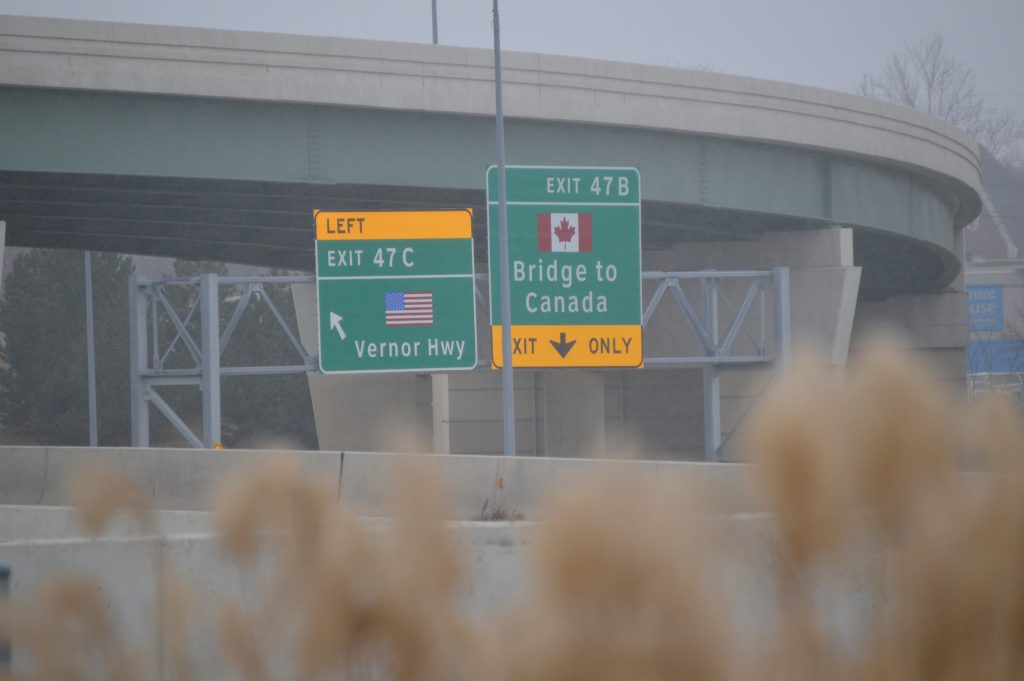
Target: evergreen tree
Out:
[259,409]
[43,384]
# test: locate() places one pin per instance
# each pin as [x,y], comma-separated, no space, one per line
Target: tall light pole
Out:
[507,391]
[433,14]
[90,350]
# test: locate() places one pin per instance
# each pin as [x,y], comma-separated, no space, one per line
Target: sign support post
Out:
[712,383]
[507,389]
[90,351]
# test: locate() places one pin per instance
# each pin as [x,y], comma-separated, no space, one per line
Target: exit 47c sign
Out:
[574,266]
[395,291]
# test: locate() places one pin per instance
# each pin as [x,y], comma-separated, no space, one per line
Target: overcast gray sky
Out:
[827,43]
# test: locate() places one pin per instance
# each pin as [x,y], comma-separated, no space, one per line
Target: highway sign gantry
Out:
[574,266]
[395,291]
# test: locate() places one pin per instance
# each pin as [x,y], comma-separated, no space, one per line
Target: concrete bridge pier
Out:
[574,412]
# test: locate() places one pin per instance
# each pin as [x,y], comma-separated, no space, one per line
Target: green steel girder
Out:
[237,180]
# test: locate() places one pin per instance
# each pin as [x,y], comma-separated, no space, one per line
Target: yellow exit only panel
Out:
[571,346]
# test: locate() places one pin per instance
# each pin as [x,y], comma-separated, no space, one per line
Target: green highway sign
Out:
[574,266]
[395,291]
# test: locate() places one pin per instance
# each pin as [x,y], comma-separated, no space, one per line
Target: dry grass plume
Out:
[873,477]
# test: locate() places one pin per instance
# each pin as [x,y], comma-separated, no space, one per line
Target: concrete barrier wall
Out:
[22,523]
[176,479]
[128,572]
[495,555]
[485,487]
[478,486]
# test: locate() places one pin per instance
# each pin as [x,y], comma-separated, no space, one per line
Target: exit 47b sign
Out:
[574,266]
[395,291]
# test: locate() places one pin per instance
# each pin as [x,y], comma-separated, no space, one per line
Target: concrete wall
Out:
[179,479]
[473,424]
[42,542]
[657,412]
[129,572]
[823,303]
[496,486]
[495,555]
[935,326]
[373,412]
[654,413]
[182,479]
[31,522]
[823,278]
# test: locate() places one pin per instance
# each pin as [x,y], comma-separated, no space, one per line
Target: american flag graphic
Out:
[408,308]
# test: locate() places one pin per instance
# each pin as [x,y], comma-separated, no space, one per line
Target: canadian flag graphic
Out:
[563,232]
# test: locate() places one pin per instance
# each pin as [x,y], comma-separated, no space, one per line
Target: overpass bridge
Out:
[219,144]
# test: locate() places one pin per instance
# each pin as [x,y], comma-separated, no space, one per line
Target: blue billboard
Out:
[985,303]
[1004,356]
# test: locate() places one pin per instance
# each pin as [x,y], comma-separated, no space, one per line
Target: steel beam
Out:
[781,301]
[207,374]
[712,385]
[90,351]
[240,307]
[138,346]
[209,313]
[175,420]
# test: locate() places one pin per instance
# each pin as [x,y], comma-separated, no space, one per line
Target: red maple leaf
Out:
[564,231]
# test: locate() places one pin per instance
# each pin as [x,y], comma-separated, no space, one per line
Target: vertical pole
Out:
[154,326]
[780,301]
[712,380]
[507,390]
[209,311]
[761,343]
[90,345]
[5,643]
[433,13]
[138,357]
[3,241]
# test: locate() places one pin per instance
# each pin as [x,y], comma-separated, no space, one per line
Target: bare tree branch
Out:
[927,78]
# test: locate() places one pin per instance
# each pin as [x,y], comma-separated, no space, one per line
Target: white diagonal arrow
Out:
[336,324]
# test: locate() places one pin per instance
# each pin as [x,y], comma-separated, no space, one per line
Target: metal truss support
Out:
[204,346]
[209,314]
[137,307]
[149,357]
[719,350]
[705,324]
[712,379]
[783,323]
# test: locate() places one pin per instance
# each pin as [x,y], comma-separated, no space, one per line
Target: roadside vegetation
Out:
[874,481]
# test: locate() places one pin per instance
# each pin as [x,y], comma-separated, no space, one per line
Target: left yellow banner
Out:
[434,224]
